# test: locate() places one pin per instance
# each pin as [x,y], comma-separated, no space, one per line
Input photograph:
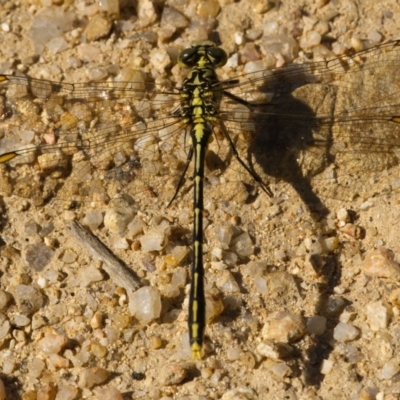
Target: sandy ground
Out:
[304,314]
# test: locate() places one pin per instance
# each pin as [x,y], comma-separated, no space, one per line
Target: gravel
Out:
[299,305]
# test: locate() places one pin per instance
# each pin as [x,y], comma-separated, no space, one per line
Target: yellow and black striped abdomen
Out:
[199,106]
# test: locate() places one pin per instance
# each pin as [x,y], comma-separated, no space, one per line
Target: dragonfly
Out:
[99,140]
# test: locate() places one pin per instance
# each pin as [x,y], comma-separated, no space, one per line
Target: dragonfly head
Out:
[202,54]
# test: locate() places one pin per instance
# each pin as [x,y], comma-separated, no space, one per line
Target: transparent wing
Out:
[87,142]
[334,122]
[342,114]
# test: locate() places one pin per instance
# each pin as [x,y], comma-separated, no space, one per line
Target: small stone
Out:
[97,27]
[69,256]
[4,326]
[52,343]
[112,334]
[278,368]
[272,350]
[38,256]
[172,17]
[21,320]
[146,13]
[227,283]
[335,306]
[345,332]
[390,369]
[93,376]
[89,275]
[394,298]
[152,241]
[284,327]
[326,367]
[145,304]
[172,374]
[28,299]
[118,219]
[41,282]
[243,245]
[93,219]
[36,367]
[8,366]
[233,353]
[208,8]
[38,321]
[316,325]
[58,362]
[98,350]
[53,276]
[97,320]
[47,392]
[178,253]
[380,263]
[378,316]
[108,393]
[342,215]
[57,45]
[5,299]
[311,39]
[67,392]
[121,243]
[121,321]
[214,307]
[19,335]
[155,342]
[31,228]
[136,226]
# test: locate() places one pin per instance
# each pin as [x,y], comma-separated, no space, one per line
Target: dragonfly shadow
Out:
[284,140]
[292,145]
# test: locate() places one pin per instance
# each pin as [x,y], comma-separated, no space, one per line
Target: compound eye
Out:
[217,56]
[187,58]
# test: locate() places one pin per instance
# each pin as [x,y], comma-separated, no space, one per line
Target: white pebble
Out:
[5,27]
[21,320]
[121,243]
[238,37]
[117,220]
[227,283]
[326,367]
[390,369]
[268,349]
[93,219]
[53,343]
[90,275]
[152,241]
[136,226]
[279,369]
[378,316]
[233,353]
[42,282]
[345,332]
[36,367]
[145,304]
[93,376]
